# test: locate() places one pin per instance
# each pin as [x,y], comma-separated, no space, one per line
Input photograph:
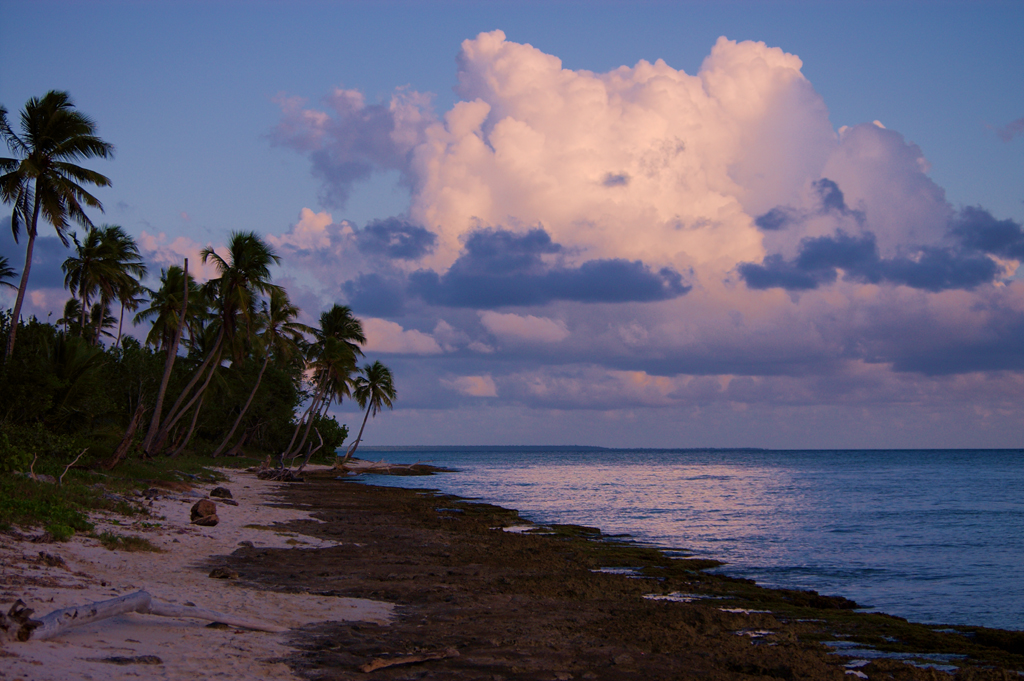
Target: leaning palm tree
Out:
[282,337]
[42,178]
[373,389]
[332,356]
[244,275]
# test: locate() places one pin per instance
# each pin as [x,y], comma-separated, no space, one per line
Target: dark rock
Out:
[229,502]
[221,492]
[223,573]
[203,508]
[206,520]
[246,543]
[51,560]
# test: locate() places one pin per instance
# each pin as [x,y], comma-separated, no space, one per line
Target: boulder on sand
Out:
[204,508]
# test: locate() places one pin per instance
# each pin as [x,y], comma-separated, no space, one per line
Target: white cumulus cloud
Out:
[524,327]
[385,336]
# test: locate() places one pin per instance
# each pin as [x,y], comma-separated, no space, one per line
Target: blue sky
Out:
[887,349]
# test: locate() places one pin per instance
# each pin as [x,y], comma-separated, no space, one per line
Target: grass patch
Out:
[56,509]
[120,542]
[61,510]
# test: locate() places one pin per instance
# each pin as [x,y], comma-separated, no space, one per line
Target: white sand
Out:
[186,647]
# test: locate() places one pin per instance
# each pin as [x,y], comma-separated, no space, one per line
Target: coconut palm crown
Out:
[43,178]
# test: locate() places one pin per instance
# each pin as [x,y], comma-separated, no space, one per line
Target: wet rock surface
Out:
[523,605]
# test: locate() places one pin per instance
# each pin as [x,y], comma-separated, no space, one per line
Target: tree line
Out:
[226,363]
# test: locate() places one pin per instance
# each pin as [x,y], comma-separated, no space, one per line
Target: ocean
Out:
[932,536]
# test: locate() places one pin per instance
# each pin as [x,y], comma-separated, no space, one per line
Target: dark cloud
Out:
[395,238]
[615,180]
[500,268]
[777,218]
[931,268]
[375,295]
[48,253]
[830,200]
[975,228]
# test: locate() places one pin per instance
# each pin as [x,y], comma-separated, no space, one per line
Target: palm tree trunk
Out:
[191,429]
[23,286]
[85,313]
[312,451]
[245,408]
[171,420]
[172,353]
[298,426]
[176,411]
[234,451]
[352,449]
[120,324]
[309,424]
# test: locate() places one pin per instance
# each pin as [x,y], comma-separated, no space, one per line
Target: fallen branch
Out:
[60,480]
[18,625]
[384,662]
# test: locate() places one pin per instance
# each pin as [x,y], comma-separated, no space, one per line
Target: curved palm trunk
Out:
[237,449]
[191,429]
[312,451]
[23,286]
[172,353]
[298,427]
[245,408]
[359,438]
[177,411]
[309,425]
[161,437]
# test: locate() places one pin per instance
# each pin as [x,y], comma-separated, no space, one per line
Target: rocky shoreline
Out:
[478,601]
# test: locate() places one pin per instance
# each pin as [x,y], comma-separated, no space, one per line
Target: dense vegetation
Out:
[226,369]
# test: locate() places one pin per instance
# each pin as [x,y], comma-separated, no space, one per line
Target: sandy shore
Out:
[50,576]
[475,597]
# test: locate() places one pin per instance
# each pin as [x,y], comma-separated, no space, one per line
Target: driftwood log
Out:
[17,624]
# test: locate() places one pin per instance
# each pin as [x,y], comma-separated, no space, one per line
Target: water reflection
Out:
[932,536]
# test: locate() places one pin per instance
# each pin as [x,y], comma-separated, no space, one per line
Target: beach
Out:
[50,576]
[392,584]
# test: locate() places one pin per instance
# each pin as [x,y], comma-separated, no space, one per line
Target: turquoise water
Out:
[933,536]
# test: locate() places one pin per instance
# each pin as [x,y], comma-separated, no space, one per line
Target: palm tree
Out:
[72,316]
[122,252]
[106,261]
[171,315]
[244,275]
[282,337]
[333,358]
[100,319]
[6,272]
[165,308]
[43,177]
[374,389]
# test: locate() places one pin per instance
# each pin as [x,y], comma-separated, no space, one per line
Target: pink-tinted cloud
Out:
[654,240]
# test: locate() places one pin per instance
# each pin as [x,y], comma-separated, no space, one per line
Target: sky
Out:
[647,224]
